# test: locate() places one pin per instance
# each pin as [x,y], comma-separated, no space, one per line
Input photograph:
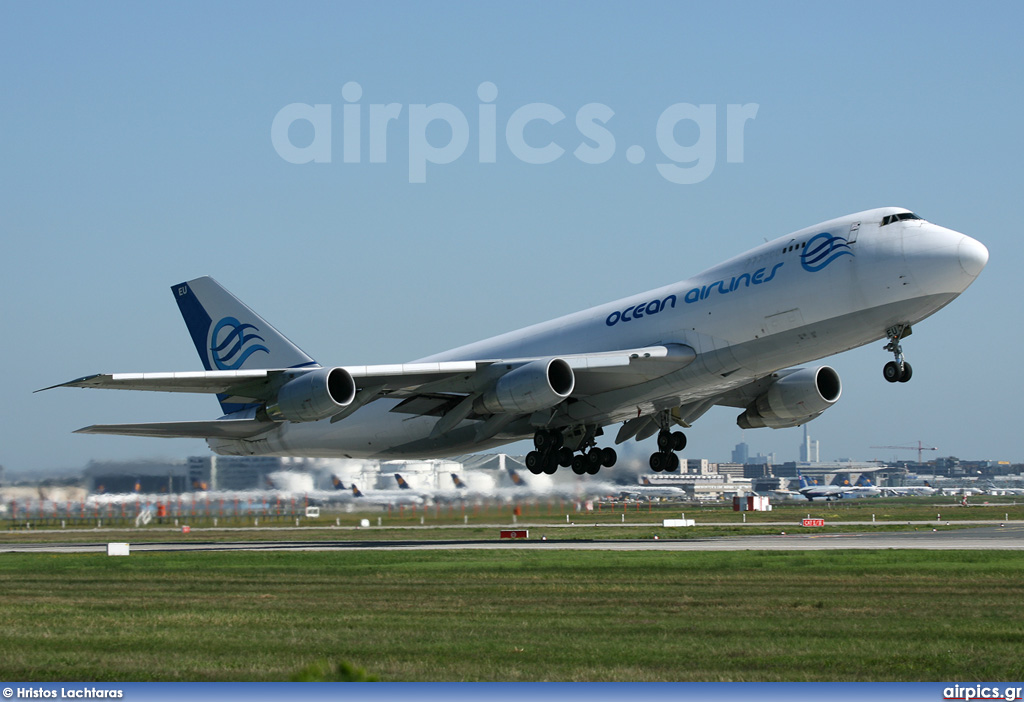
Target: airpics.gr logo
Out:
[230,344]
[821,250]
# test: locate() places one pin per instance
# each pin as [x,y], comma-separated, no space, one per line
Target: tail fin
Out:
[227,334]
[336,482]
[356,492]
[516,478]
[401,482]
[458,483]
[646,481]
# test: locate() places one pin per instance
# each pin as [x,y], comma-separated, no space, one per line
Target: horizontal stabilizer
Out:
[210,429]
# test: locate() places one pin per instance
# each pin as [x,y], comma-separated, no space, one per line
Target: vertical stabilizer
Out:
[228,335]
[517,479]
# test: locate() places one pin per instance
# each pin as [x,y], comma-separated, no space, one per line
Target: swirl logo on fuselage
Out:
[229,350]
[821,250]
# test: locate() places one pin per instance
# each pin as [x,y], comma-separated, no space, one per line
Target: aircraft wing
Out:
[432,388]
[594,372]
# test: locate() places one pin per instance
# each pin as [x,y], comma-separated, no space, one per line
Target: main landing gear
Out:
[551,452]
[665,458]
[897,371]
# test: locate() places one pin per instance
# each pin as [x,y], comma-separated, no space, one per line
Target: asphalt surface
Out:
[1009,537]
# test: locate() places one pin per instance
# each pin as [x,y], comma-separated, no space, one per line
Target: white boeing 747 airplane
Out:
[650,363]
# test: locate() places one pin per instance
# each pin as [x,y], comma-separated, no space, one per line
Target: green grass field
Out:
[515,615]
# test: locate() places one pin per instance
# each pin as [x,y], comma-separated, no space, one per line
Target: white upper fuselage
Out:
[819,291]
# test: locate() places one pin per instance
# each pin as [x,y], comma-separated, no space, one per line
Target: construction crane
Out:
[920,448]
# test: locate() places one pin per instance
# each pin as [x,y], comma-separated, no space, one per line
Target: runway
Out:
[985,538]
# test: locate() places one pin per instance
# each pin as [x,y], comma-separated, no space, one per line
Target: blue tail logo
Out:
[230,350]
[821,250]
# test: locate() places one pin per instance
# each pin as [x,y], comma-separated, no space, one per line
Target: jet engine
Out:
[529,388]
[313,396]
[793,399]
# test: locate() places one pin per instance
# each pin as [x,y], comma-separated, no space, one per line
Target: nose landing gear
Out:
[897,371]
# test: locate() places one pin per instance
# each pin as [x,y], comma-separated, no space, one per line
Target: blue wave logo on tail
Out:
[821,250]
[229,351]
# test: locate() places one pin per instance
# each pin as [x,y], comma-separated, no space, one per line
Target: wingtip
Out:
[76,383]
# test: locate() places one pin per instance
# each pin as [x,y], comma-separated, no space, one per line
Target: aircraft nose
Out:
[973,256]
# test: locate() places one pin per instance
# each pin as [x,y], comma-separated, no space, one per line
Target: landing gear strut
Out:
[897,371]
[551,453]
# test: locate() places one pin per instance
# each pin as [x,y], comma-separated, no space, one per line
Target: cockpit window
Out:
[889,219]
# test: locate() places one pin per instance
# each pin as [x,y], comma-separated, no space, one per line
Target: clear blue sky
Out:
[137,153]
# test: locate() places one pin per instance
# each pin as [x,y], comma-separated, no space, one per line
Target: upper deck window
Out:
[889,219]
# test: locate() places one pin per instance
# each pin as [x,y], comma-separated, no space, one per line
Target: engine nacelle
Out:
[535,386]
[313,396]
[794,399]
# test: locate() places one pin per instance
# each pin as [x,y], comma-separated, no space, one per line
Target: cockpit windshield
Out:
[889,219]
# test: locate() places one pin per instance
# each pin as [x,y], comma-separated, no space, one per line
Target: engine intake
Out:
[794,399]
[313,396]
[529,388]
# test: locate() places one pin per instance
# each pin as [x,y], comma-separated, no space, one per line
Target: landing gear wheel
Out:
[891,371]
[547,439]
[664,440]
[678,441]
[565,457]
[657,462]
[534,461]
[550,464]
[664,461]
[907,372]
[608,457]
[594,458]
[579,464]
